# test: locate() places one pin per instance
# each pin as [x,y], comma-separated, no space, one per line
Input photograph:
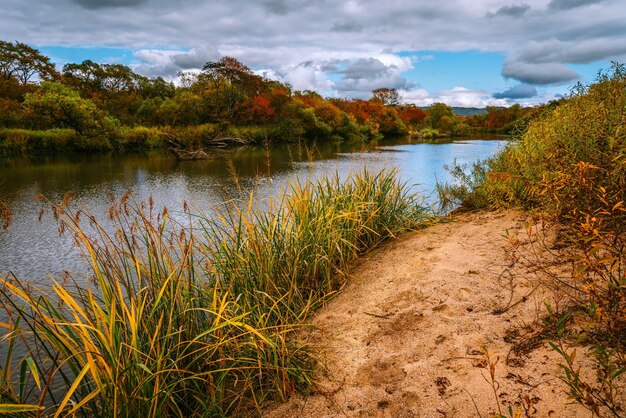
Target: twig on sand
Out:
[385,316]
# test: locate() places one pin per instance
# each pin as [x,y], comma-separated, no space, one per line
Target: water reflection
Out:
[33,249]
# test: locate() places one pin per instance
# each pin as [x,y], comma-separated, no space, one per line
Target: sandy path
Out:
[405,337]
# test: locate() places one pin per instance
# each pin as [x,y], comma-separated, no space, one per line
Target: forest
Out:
[92,106]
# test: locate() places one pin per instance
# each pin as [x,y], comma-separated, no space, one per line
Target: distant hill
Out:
[465,111]
[468,111]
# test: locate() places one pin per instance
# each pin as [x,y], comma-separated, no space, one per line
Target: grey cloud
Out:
[347,27]
[331,66]
[521,91]
[101,4]
[363,88]
[278,7]
[545,62]
[572,52]
[548,73]
[367,68]
[570,4]
[195,58]
[363,75]
[511,11]
[168,64]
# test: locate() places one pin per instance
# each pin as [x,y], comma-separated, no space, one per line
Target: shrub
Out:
[140,137]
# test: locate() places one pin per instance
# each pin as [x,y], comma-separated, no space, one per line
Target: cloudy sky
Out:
[461,52]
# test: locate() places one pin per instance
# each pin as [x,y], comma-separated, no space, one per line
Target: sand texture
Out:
[407,336]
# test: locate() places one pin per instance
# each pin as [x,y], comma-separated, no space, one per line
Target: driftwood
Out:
[200,153]
[183,154]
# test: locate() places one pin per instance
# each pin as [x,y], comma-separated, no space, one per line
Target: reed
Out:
[200,319]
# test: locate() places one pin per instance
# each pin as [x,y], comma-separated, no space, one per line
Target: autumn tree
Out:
[20,62]
[386,96]
[225,85]
[412,115]
[257,109]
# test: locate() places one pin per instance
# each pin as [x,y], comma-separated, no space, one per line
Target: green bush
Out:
[140,137]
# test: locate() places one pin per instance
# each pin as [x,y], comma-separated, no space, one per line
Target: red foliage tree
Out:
[412,115]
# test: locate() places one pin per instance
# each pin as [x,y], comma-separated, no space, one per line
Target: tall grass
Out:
[21,141]
[194,320]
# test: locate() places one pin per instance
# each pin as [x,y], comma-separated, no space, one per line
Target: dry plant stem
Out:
[490,365]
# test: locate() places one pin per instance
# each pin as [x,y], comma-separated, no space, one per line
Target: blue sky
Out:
[478,53]
[61,55]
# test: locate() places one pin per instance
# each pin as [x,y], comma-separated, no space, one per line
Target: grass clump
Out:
[193,320]
[570,164]
[14,141]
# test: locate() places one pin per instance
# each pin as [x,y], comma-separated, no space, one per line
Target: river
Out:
[32,248]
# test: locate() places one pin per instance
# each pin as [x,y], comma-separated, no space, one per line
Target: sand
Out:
[408,334]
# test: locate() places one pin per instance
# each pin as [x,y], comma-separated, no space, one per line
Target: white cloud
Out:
[167,63]
[457,96]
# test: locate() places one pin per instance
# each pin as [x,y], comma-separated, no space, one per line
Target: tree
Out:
[181,110]
[258,110]
[412,115]
[21,62]
[234,72]
[156,88]
[58,105]
[440,114]
[112,87]
[92,77]
[386,96]
[225,85]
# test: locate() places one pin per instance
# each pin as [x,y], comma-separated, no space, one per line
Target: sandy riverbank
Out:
[407,336]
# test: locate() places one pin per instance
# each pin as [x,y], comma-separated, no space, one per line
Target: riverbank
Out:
[410,334]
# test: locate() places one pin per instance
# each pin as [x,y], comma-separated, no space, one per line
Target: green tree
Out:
[20,62]
[56,105]
[89,76]
[441,116]
[112,87]
[386,96]
[181,110]
[156,88]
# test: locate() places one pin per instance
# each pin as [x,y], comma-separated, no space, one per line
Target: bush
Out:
[140,137]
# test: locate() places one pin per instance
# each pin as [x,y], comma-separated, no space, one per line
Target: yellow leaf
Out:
[9,408]
[72,389]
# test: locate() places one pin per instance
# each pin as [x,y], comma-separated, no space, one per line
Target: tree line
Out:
[94,106]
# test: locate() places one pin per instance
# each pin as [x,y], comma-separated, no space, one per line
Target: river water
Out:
[32,248]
